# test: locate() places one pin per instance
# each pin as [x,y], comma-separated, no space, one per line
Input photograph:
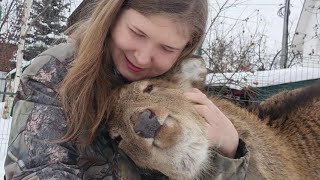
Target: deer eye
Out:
[148,89]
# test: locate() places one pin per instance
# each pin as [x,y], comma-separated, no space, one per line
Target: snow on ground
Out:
[239,80]
[5,125]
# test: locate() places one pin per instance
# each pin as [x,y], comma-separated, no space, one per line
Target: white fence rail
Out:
[5,125]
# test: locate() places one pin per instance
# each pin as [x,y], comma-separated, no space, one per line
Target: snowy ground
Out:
[5,125]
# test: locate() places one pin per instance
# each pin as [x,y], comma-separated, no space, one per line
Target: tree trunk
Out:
[26,13]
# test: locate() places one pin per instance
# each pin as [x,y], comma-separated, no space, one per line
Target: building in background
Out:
[6,54]
[306,39]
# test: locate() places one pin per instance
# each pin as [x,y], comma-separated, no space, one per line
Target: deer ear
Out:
[190,73]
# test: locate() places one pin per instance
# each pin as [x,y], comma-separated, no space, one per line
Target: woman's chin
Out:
[131,77]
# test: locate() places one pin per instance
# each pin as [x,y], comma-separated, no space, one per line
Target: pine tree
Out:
[48,22]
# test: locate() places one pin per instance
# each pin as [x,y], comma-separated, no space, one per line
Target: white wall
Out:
[2,82]
[5,125]
[307,37]
[310,42]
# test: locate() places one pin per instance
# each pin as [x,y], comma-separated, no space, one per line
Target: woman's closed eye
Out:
[166,49]
[139,34]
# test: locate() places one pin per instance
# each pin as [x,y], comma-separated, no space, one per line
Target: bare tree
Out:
[10,18]
[7,10]
[233,47]
[26,13]
[240,46]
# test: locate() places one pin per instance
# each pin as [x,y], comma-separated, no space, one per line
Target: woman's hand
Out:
[221,132]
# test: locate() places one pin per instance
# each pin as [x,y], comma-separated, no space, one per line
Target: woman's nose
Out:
[144,55]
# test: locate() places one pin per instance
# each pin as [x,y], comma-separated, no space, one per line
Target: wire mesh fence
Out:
[250,87]
[5,125]
[6,97]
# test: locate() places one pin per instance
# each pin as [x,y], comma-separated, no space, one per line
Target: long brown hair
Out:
[85,89]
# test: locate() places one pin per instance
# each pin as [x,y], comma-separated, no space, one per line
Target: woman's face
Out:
[144,47]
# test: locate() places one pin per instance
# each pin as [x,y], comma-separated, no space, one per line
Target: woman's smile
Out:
[132,67]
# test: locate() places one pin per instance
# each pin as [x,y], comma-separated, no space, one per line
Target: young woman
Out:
[62,94]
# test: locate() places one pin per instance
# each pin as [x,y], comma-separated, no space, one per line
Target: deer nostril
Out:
[147,124]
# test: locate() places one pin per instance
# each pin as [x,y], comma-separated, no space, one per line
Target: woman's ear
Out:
[190,73]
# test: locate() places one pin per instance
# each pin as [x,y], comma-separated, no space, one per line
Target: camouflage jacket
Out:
[38,119]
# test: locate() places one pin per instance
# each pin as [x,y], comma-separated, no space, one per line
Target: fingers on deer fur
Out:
[196,96]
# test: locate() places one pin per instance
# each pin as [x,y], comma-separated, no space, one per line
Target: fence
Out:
[311,61]
[254,87]
[5,125]
[6,96]
[2,84]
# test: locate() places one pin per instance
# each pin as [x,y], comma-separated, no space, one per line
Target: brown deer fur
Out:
[179,147]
